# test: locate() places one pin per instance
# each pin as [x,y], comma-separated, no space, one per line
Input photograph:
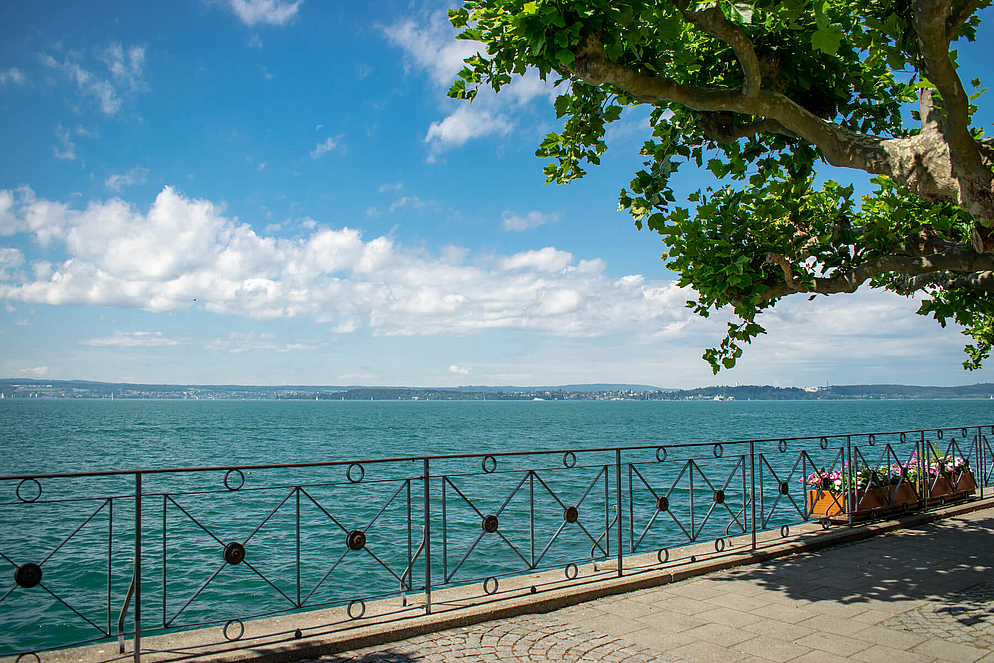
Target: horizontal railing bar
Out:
[334,463]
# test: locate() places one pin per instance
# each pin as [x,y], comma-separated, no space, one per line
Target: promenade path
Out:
[914,595]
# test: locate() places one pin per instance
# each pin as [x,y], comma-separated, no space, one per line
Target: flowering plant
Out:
[865,477]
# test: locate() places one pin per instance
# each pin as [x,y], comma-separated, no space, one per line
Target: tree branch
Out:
[946,281]
[713,21]
[958,16]
[958,259]
[719,128]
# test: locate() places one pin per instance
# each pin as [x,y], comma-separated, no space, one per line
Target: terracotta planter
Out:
[865,504]
[949,487]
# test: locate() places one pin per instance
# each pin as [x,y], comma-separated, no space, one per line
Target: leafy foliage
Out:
[766,228]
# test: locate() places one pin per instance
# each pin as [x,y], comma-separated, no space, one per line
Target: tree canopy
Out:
[761,94]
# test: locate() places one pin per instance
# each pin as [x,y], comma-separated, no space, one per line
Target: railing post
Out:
[427,542]
[138,567]
[617,475]
[752,489]
[851,488]
[980,458]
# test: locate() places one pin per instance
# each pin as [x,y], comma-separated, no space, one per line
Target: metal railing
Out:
[99,556]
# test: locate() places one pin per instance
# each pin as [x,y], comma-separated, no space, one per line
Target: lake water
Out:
[293,522]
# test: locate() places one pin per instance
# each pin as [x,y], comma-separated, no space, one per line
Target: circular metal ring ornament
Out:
[964,432]
[356,540]
[227,479]
[662,503]
[904,507]
[234,553]
[490,467]
[660,454]
[823,443]
[571,571]
[351,609]
[826,483]
[28,575]
[784,531]
[490,523]
[352,468]
[784,487]
[24,499]
[825,523]
[693,558]
[875,513]
[942,501]
[570,514]
[719,496]
[719,545]
[19,658]
[782,446]
[871,440]
[569,459]
[904,437]
[663,555]
[241,630]
[718,451]
[298,634]
[938,433]
[487,589]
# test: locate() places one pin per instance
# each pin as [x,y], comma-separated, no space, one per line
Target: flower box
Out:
[879,501]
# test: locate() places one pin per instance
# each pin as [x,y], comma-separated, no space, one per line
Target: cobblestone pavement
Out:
[526,639]
[967,618]
[921,595]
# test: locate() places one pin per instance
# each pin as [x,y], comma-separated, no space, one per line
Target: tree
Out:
[761,95]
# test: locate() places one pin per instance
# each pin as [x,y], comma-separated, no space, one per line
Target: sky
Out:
[279,192]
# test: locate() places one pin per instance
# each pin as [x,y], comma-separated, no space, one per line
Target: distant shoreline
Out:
[13,388]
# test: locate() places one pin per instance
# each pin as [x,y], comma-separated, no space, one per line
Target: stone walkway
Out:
[916,595]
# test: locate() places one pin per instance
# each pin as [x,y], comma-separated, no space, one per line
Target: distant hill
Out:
[602,386]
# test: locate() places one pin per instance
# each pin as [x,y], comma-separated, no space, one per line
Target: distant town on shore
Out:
[23,388]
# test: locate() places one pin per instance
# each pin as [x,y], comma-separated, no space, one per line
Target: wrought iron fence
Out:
[99,556]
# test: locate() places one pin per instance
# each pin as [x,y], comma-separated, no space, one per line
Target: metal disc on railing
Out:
[662,503]
[663,555]
[490,523]
[24,499]
[351,609]
[875,513]
[660,454]
[569,459]
[571,571]
[27,575]
[349,473]
[904,507]
[719,496]
[718,450]
[693,558]
[784,488]
[782,446]
[298,634]
[489,464]
[227,479]
[234,553]
[21,657]
[784,531]
[823,443]
[719,545]
[241,630]
[356,540]
[489,589]
[570,514]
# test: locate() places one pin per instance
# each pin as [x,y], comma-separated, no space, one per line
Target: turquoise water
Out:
[81,530]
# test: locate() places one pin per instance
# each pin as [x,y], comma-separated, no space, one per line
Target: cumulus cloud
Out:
[137,175]
[327,145]
[138,339]
[37,372]
[12,75]
[512,221]
[182,249]
[265,12]
[407,201]
[458,370]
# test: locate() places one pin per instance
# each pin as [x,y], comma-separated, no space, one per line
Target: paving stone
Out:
[771,649]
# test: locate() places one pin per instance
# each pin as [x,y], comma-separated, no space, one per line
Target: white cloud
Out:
[267,12]
[125,66]
[38,371]
[327,145]
[548,259]
[137,175]
[391,186]
[254,41]
[68,150]
[458,370]
[407,201]
[237,342]
[466,122]
[12,75]
[138,339]
[512,221]
[431,46]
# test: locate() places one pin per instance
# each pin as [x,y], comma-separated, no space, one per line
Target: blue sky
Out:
[276,192]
